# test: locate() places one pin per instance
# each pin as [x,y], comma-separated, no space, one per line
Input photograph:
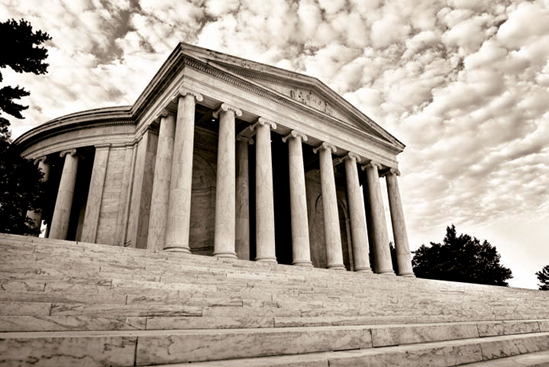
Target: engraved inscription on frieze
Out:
[311,99]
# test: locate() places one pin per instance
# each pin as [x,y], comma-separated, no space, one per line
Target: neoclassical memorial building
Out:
[225,157]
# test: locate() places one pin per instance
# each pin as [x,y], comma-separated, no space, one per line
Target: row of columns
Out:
[169,225]
[171,230]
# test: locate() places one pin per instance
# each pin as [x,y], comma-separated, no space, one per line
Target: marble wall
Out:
[316,222]
[203,202]
[113,196]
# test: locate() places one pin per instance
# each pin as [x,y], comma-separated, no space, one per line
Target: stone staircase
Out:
[65,303]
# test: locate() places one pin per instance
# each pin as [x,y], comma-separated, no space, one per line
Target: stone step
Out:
[123,348]
[34,242]
[320,346]
[474,352]
[537,359]
[101,250]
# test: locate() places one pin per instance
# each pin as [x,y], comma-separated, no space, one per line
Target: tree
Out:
[21,187]
[460,259]
[543,278]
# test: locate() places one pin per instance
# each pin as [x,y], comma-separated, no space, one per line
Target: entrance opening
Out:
[282,205]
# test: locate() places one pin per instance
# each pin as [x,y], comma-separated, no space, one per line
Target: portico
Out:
[233,159]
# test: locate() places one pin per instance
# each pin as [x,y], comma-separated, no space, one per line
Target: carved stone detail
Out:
[68,151]
[295,134]
[325,145]
[227,107]
[182,92]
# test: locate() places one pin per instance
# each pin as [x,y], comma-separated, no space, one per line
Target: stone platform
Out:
[65,303]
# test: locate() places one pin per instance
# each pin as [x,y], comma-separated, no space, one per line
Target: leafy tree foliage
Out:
[21,187]
[543,278]
[460,259]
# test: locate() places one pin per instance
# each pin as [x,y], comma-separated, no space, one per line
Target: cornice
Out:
[99,117]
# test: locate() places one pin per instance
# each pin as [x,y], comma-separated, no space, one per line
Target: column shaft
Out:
[358,223]
[404,260]
[298,202]
[378,229]
[242,236]
[179,210]
[225,199]
[156,237]
[265,230]
[334,250]
[95,195]
[63,203]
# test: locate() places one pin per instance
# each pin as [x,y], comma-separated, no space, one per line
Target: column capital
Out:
[163,113]
[325,145]
[182,92]
[246,139]
[295,134]
[68,151]
[227,107]
[394,171]
[263,121]
[371,164]
[353,156]
[390,171]
[39,160]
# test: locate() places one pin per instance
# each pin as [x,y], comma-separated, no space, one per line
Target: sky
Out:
[463,83]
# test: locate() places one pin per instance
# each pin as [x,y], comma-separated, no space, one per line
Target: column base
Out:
[184,250]
[225,255]
[304,263]
[271,260]
[337,267]
[407,275]
[387,272]
[364,270]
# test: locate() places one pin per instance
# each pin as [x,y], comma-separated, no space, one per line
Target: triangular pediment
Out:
[304,90]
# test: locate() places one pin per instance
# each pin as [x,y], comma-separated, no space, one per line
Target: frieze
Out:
[312,100]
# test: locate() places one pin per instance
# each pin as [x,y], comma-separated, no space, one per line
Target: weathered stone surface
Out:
[67,323]
[24,309]
[416,334]
[51,350]
[68,309]
[508,328]
[211,322]
[508,346]
[172,347]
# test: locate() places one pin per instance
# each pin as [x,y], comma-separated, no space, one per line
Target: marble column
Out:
[379,239]
[225,198]
[45,167]
[95,194]
[264,203]
[242,236]
[404,259]
[356,210]
[63,203]
[301,249]
[179,208]
[334,250]
[160,200]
